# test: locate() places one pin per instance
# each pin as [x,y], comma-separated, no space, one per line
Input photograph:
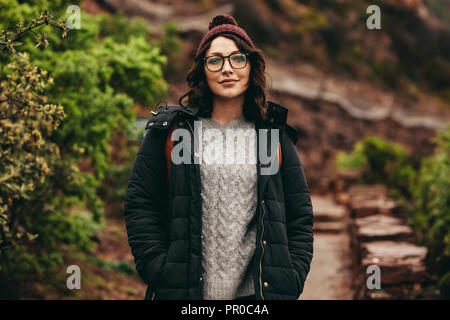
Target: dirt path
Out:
[330,277]
[330,274]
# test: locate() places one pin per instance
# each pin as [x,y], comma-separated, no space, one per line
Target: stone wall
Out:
[381,237]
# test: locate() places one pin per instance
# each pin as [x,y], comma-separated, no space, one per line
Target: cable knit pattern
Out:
[228,211]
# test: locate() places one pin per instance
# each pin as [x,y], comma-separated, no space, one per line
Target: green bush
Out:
[118,27]
[47,205]
[114,184]
[421,185]
[171,48]
[123,267]
[431,217]
[32,221]
[382,162]
[354,160]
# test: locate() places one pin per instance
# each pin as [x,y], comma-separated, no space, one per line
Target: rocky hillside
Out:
[340,81]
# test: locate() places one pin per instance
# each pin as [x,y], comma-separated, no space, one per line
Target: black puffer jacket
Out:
[163,219]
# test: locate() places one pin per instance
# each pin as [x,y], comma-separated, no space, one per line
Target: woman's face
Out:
[223,47]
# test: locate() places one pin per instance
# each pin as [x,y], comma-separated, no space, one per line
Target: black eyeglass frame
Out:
[228,57]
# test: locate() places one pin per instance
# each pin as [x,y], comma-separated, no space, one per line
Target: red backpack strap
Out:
[168,148]
[280,159]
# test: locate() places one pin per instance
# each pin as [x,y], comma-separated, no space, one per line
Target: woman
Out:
[205,228]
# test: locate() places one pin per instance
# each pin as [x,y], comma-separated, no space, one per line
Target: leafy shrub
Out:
[32,220]
[47,204]
[382,162]
[114,184]
[171,48]
[123,267]
[118,27]
[354,160]
[422,186]
[431,216]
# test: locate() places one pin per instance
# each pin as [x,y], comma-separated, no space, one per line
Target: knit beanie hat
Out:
[224,23]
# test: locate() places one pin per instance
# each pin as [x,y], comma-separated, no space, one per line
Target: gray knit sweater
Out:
[229,193]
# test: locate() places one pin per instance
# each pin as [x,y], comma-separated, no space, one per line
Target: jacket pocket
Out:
[150,294]
[153,288]
[298,282]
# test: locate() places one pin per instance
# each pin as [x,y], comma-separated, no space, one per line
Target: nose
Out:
[227,65]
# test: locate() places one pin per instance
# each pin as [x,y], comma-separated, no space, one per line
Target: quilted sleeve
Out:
[299,211]
[144,208]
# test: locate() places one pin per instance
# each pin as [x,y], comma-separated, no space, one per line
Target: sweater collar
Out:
[233,124]
[276,113]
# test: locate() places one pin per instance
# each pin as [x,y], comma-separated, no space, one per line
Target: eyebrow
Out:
[220,53]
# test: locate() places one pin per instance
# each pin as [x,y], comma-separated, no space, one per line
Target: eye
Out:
[214,60]
[239,57]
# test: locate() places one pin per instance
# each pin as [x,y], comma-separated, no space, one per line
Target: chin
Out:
[229,95]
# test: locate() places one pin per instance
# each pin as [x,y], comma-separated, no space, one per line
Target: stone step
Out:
[369,200]
[380,227]
[379,235]
[399,262]
[373,191]
[326,209]
[367,207]
[345,178]
[407,291]
[330,226]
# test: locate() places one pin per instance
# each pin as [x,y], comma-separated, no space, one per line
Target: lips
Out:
[228,81]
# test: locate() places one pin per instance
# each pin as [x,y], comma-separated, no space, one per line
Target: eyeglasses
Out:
[237,61]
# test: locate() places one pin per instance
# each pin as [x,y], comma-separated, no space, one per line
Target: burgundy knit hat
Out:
[224,23]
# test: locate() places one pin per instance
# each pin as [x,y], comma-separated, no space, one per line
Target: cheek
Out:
[209,76]
[246,76]
[211,80]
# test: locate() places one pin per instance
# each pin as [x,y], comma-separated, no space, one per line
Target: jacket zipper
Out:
[153,295]
[190,127]
[262,247]
[198,174]
[198,171]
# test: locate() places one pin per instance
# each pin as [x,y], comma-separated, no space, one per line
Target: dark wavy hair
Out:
[198,92]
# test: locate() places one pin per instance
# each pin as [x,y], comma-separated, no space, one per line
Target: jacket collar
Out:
[190,110]
[276,118]
[276,114]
